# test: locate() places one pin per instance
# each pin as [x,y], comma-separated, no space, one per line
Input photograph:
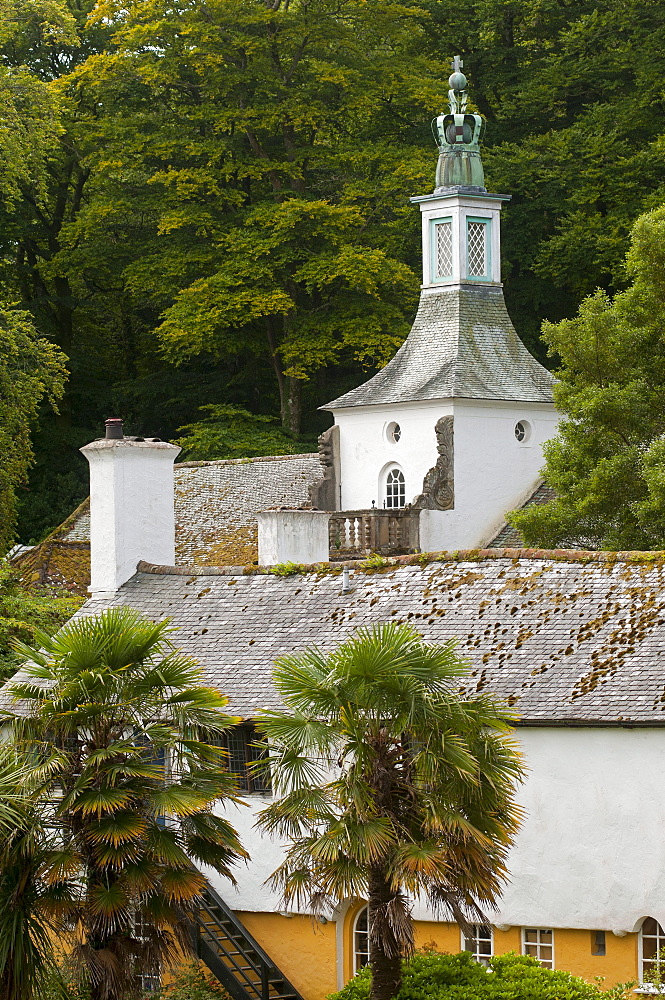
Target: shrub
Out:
[430,976]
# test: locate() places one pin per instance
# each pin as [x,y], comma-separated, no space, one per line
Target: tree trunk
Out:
[384,952]
[292,406]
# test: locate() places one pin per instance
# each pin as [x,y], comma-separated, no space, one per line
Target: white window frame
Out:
[659,937]
[402,487]
[364,911]
[474,942]
[538,944]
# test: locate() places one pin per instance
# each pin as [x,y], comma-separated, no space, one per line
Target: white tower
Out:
[456,422]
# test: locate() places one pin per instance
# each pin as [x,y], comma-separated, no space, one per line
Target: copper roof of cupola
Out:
[462,345]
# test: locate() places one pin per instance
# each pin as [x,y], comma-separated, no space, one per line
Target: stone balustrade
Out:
[357,533]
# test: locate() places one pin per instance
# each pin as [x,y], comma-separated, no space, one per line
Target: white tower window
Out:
[478,248]
[442,249]
[395,488]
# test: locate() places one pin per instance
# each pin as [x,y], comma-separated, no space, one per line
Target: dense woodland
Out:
[205,211]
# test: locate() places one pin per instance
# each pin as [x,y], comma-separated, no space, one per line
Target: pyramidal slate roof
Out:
[565,637]
[462,345]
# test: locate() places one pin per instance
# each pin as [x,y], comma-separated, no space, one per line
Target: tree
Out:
[30,903]
[127,734]
[607,464]
[30,369]
[389,784]
[23,612]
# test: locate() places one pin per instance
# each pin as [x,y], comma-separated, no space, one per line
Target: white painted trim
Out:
[539,930]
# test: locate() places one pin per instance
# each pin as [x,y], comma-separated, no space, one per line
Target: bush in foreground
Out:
[430,976]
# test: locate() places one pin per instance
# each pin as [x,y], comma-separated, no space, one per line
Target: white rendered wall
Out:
[591,852]
[494,473]
[298,536]
[131,508]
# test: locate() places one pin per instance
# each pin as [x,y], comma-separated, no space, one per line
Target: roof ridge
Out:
[418,559]
[245,461]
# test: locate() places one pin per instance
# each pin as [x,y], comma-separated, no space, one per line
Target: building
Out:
[425,457]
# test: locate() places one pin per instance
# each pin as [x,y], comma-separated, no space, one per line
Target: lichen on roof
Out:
[462,345]
[564,637]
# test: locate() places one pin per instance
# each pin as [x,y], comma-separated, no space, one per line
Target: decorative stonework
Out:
[324,493]
[439,483]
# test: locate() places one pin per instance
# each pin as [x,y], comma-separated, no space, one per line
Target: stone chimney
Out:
[131,505]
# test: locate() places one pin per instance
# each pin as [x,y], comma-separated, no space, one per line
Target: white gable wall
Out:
[590,854]
[493,471]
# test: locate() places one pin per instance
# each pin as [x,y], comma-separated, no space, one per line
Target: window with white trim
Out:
[652,947]
[478,248]
[442,249]
[539,944]
[395,489]
[479,942]
[361,940]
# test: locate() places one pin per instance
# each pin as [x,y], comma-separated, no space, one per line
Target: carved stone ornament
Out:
[323,494]
[439,484]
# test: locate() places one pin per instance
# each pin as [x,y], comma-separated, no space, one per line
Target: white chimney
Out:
[131,506]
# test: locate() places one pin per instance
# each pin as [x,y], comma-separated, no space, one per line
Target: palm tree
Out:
[124,734]
[389,784]
[29,904]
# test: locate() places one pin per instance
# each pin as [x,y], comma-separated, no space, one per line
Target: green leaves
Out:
[388,782]
[605,463]
[116,733]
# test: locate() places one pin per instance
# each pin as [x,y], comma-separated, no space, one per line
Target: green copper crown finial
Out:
[458,137]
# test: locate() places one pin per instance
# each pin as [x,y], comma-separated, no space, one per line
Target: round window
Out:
[393,432]
[523,431]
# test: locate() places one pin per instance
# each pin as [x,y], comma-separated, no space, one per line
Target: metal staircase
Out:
[234,957]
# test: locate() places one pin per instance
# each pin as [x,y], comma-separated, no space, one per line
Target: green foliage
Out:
[288,569]
[608,463]
[30,368]
[109,700]
[192,983]
[25,612]
[232,432]
[459,977]
[188,982]
[388,785]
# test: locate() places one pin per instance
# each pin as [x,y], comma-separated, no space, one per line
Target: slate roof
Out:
[565,637]
[509,537]
[216,504]
[462,345]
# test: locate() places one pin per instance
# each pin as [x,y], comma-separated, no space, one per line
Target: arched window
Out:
[652,947]
[395,488]
[361,940]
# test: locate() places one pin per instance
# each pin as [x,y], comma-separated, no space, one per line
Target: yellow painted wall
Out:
[304,950]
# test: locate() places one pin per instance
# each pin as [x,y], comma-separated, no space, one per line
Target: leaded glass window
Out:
[443,249]
[395,488]
[477,249]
